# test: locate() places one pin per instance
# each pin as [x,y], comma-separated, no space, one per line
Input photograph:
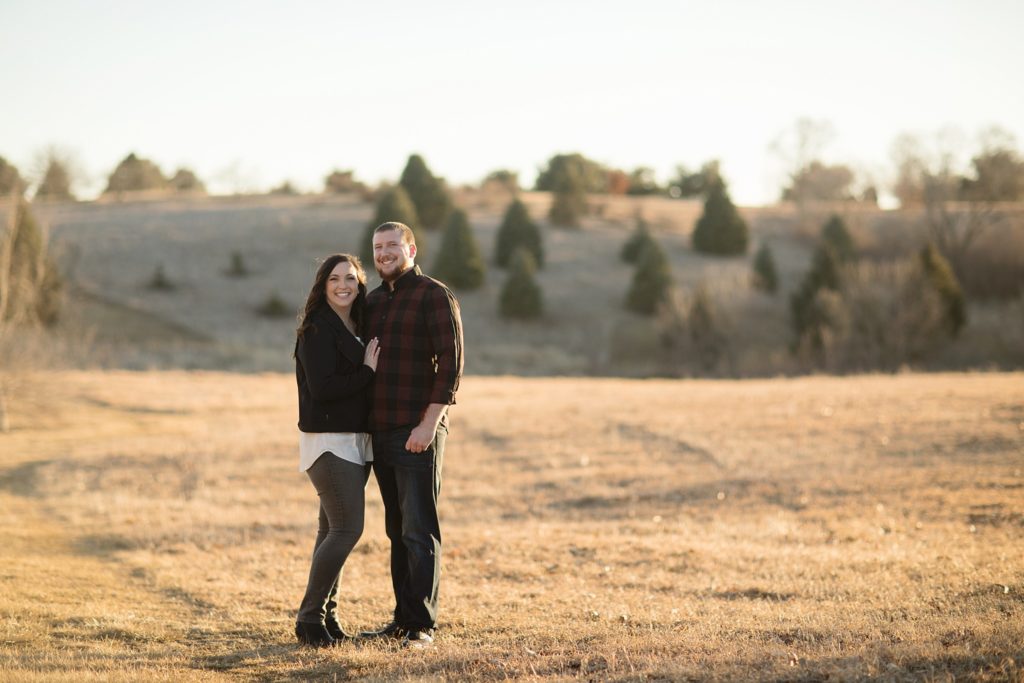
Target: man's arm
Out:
[444,324]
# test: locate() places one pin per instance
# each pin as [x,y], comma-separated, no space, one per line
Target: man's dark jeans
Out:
[410,484]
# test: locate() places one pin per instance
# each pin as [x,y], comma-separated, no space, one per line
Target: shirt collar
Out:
[405,279]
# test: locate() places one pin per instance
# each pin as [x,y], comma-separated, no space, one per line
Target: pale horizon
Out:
[249,96]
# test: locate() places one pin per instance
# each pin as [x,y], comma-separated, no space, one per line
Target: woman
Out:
[334,372]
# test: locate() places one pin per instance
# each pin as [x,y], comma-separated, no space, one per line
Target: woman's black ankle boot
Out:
[314,635]
[334,628]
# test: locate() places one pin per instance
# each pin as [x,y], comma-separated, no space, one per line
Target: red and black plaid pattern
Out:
[419,326]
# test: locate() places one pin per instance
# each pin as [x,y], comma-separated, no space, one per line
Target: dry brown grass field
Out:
[153,526]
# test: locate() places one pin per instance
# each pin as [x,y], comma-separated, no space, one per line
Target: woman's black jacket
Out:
[332,379]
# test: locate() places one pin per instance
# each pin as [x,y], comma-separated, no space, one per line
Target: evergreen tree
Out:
[941,277]
[32,286]
[518,230]
[521,297]
[652,281]
[720,229]
[394,206]
[11,181]
[237,267]
[836,236]
[459,264]
[807,318]
[135,173]
[159,281]
[427,192]
[636,243]
[708,340]
[765,276]
[56,182]
[185,180]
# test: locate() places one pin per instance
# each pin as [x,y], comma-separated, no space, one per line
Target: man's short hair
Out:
[408,236]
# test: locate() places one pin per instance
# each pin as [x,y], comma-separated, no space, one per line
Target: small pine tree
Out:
[56,182]
[652,281]
[636,243]
[765,276]
[395,206]
[31,286]
[720,230]
[237,267]
[518,230]
[159,281]
[273,307]
[807,318]
[427,192]
[521,297]
[836,236]
[941,277]
[459,263]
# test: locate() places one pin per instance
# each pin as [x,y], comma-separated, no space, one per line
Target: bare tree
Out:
[798,148]
[931,173]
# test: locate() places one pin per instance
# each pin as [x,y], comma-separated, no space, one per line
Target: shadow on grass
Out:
[23,480]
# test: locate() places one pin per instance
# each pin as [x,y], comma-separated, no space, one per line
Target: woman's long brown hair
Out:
[318,298]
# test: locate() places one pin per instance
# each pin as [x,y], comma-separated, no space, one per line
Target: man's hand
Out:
[423,434]
[421,437]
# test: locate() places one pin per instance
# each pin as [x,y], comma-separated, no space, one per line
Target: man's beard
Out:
[395,270]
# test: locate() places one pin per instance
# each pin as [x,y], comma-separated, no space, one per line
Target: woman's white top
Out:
[352,446]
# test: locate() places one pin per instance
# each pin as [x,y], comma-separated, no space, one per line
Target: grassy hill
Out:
[208,320]
[154,526]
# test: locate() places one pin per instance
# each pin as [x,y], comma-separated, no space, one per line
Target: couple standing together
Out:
[376,373]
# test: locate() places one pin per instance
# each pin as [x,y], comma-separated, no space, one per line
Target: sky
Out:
[250,94]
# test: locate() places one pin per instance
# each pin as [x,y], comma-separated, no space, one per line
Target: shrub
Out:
[274,307]
[884,316]
[837,237]
[943,280]
[521,297]
[636,243]
[569,177]
[692,333]
[427,192]
[31,286]
[394,206]
[720,230]
[134,174]
[285,189]
[184,180]
[765,276]
[237,267]
[340,182]
[517,230]
[159,280]
[459,263]
[652,281]
[567,208]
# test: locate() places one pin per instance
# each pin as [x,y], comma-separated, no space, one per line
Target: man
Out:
[418,323]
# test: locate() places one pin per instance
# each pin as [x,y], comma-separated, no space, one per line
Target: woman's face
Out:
[342,286]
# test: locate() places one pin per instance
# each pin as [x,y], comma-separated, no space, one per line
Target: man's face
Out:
[392,256]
